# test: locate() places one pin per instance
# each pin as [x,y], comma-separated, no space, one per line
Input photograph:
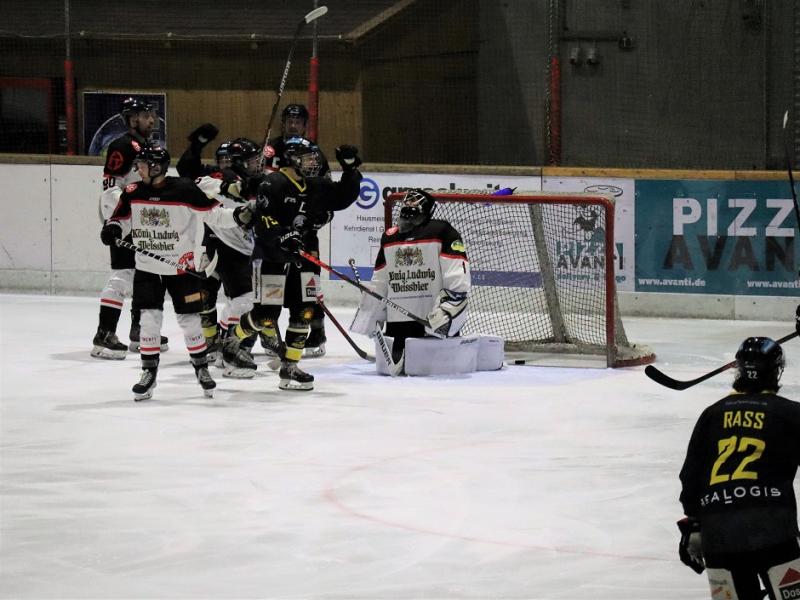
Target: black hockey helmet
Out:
[416,209]
[294,110]
[222,154]
[156,158]
[759,365]
[132,106]
[241,153]
[304,155]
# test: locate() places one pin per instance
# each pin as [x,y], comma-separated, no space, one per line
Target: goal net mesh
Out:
[542,267]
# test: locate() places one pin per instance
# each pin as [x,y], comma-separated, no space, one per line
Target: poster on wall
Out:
[102,122]
[356,232]
[716,237]
[623,193]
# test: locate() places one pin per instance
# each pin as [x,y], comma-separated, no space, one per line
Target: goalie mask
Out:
[304,155]
[759,365]
[244,156]
[416,209]
[157,160]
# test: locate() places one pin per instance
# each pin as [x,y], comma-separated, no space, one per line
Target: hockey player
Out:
[422,266]
[233,247]
[737,483]
[164,215]
[118,172]
[294,120]
[291,205]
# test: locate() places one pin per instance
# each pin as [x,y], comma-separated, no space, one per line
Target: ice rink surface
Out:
[531,482]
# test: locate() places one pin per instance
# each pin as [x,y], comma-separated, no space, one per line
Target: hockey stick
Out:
[394,369]
[676,384]
[789,169]
[313,259]
[313,15]
[343,331]
[166,261]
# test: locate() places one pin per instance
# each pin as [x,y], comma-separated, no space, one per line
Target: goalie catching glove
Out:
[447,319]
[689,548]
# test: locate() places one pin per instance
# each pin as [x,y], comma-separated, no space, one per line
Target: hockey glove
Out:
[347,156]
[689,548]
[243,215]
[203,134]
[452,307]
[318,220]
[231,184]
[291,242]
[110,233]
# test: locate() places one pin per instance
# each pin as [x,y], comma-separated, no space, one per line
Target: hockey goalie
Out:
[422,266]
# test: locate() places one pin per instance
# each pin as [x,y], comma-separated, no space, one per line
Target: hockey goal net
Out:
[542,267]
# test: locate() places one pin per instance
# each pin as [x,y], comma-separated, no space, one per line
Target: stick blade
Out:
[665,380]
[315,14]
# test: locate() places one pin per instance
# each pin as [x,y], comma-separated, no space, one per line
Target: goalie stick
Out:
[676,384]
[204,275]
[394,368]
[313,259]
[312,16]
[343,331]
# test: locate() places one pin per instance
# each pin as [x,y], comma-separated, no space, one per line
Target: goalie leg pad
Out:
[433,356]
[491,353]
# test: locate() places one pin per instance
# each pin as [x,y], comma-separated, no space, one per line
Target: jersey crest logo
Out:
[408,257]
[154,217]
[136,146]
[391,231]
[458,246]
[115,161]
[131,187]
[186,263]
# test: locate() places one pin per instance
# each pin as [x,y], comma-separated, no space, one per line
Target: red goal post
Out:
[543,278]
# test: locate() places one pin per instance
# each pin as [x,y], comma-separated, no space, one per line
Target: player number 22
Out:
[727,446]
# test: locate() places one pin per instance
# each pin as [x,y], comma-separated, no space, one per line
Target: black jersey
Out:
[739,471]
[284,203]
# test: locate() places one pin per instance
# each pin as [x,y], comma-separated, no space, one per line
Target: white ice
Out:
[532,482]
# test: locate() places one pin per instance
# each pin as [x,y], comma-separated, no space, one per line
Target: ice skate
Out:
[294,378]
[147,383]
[273,350]
[107,345]
[205,381]
[214,351]
[133,336]
[315,344]
[236,362]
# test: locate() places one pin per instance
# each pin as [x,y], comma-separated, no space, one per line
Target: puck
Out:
[519,362]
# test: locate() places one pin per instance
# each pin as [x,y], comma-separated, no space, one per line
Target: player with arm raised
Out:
[118,172]
[294,120]
[737,483]
[291,205]
[164,215]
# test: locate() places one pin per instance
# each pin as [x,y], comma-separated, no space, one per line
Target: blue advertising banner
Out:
[716,237]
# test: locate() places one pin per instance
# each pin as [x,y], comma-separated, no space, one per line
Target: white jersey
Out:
[238,238]
[168,221]
[412,268]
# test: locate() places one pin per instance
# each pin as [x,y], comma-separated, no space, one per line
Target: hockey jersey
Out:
[413,267]
[737,477]
[118,170]
[168,220]
[238,238]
